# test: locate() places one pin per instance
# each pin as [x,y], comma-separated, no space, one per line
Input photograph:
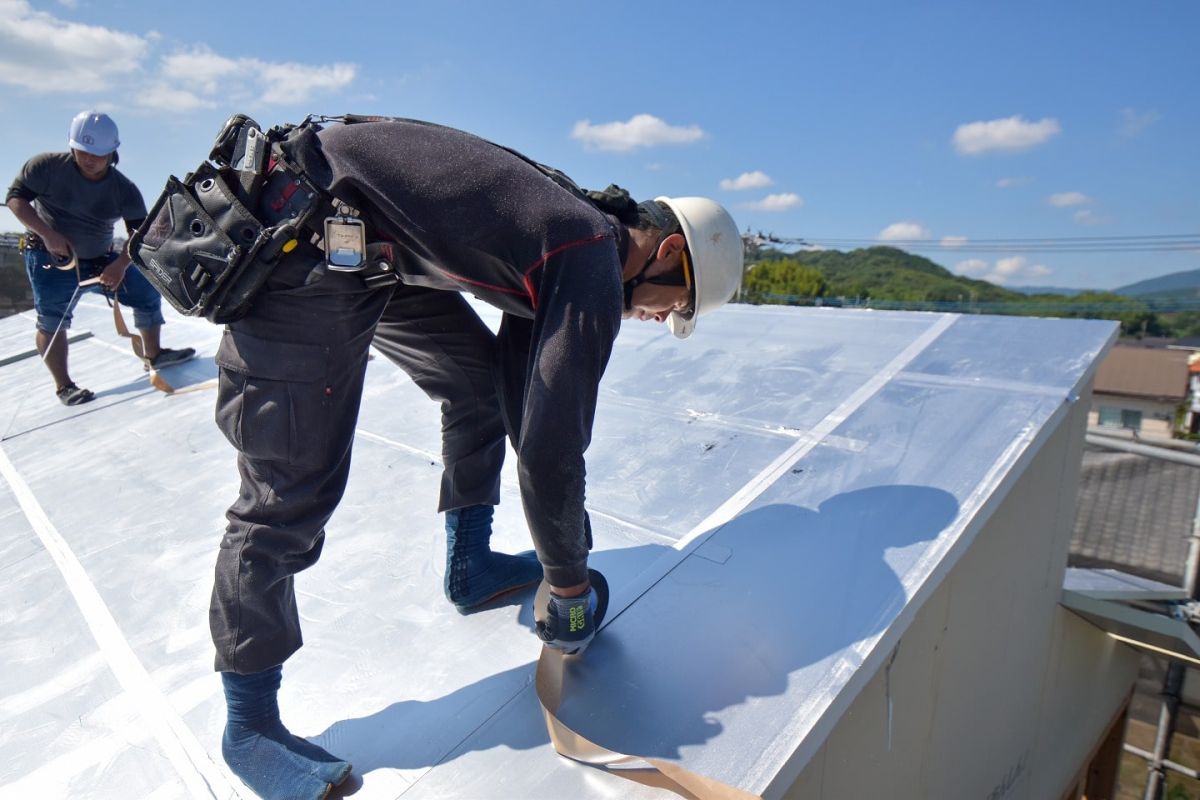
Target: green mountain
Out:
[1176,284]
[884,277]
[875,272]
[1064,291]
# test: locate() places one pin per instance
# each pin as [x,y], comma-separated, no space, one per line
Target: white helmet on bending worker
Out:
[716,257]
[710,258]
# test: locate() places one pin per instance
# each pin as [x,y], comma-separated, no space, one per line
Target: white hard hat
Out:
[716,249]
[95,133]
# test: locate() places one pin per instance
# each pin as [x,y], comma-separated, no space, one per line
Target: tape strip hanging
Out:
[656,772]
[139,349]
[550,670]
[647,771]
[156,380]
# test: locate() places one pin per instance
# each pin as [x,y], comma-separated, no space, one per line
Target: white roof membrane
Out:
[771,500]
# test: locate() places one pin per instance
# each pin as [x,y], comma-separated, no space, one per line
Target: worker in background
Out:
[68,203]
[460,215]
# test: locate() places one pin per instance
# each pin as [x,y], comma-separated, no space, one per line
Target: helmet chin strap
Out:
[640,278]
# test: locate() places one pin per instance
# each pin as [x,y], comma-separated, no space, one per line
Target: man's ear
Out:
[671,245]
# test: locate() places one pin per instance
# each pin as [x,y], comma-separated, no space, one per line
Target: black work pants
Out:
[291,380]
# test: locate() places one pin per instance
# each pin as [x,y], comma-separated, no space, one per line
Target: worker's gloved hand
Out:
[570,623]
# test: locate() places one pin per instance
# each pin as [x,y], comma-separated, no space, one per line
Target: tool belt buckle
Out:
[345,243]
[382,273]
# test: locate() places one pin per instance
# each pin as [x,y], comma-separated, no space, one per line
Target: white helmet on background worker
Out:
[716,257]
[94,132]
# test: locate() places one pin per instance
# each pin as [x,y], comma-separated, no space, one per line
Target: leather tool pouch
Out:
[204,248]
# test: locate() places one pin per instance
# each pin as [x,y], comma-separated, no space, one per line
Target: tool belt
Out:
[30,242]
[212,240]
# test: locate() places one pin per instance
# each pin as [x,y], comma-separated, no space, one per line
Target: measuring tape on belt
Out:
[647,771]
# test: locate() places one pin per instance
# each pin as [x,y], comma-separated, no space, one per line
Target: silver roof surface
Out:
[771,500]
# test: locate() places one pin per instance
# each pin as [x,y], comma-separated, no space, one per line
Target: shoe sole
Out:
[148,367]
[471,609]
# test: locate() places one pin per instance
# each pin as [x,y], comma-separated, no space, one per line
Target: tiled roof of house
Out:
[1144,372]
[1134,513]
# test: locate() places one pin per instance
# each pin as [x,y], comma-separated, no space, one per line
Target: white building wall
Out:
[1157,419]
[995,691]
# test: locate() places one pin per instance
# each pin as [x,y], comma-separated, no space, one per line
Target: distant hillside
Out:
[1187,283]
[884,277]
[882,272]
[1047,290]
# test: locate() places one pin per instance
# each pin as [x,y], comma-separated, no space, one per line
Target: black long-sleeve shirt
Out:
[471,216]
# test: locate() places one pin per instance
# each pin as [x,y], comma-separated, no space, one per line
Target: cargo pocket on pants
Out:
[272,400]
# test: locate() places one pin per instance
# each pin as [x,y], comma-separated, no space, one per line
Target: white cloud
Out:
[902,231]
[295,83]
[953,241]
[1009,135]
[1007,267]
[778,202]
[1067,199]
[747,180]
[972,267]
[42,53]
[1008,183]
[642,130]
[198,67]
[166,98]
[1086,216]
[1134,122]
[1004,270]
[209,76]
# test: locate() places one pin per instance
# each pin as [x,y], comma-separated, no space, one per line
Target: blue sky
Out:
[942,122]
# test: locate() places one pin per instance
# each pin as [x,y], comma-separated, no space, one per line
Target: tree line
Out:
[885,277]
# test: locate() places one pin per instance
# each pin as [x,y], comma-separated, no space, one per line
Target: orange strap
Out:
[139,350]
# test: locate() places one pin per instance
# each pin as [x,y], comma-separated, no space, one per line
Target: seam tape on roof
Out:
[199,774]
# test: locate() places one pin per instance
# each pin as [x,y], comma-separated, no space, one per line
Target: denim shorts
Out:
[53,290]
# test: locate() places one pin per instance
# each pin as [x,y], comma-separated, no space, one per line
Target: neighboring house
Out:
[1140,389]
[1135,514]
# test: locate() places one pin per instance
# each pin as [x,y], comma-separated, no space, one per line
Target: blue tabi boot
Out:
[474,574]
[263,753]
